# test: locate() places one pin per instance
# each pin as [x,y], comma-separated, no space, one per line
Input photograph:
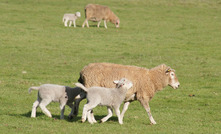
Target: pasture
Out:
[36,48]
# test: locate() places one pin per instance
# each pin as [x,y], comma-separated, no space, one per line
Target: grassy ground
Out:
[36,48]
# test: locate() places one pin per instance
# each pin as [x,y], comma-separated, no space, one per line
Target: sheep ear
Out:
[116,81]
[168,70]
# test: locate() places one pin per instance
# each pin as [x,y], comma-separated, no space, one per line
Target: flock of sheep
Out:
[105,84]
[93,12]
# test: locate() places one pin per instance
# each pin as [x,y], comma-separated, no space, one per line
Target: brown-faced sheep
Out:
[94,12]
[146,81]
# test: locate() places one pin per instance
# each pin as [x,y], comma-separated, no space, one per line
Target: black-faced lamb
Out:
[146,81]
[71,18]
[94,12]
[56,93]
[110,97]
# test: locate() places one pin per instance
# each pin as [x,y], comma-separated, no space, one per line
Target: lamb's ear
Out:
[116,81]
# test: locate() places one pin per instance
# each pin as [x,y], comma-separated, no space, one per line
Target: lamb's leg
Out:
[126,105]
[66,23]
[92,117]
[87,111]
[147,108]
[110,113]
[89,115]
[105,24]
[43,105]
[98,24]
[74,23]
[71,115]
[70,23]
[34,107]
[84,114]
[62,107]
[77,102]
[117,111]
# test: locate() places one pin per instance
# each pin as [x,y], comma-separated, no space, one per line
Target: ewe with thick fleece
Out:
[146,81]
[110,97]
[72,18]
[94,12]
[56,93]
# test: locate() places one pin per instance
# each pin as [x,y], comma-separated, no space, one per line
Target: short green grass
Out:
[36,48]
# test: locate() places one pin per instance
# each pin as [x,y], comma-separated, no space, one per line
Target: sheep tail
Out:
[81,86]
[33,88]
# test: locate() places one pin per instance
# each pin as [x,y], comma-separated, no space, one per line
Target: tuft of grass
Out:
[36,48]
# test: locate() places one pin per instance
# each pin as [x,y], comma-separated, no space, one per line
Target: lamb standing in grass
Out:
[94,12]
[146,81]
[112,98]
[56,93]
[72,18]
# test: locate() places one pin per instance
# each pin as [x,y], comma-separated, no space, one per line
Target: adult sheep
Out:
[94,12]
[146,81]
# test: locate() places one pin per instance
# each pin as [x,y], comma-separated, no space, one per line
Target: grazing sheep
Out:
[71,17]
[146,81]
[56,93]
[110,97]
[94,12]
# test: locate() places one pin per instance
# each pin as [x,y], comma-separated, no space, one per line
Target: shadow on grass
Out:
[57,117]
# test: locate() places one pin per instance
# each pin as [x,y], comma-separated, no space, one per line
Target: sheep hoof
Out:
[82,120]
[153,123]
[70,117]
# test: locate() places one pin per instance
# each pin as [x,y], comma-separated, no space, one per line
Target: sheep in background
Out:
[94,12]
[110,97]
[56,93]
[72,18]
[146,81]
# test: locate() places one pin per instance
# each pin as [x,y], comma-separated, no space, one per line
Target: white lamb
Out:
[72,18]
[56,93]
[110,97]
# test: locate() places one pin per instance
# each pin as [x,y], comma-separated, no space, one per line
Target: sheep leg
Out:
[147,108]
[92,117]
[89,115]
[74,23]
[126,105]
[110,113]
[99,22]
[85,22]
[71,115]
[77,102]
[84,114]
[117,111]
[87,111]
[66,23]
[105,24]
[43,105]
[62,107]
[70,23]
[34,108]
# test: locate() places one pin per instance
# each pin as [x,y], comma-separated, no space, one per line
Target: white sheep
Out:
[56,93]
[72,18]
[94,12]
[110,97]
[146,81]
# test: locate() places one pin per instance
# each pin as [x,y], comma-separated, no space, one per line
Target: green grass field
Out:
[36,48]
